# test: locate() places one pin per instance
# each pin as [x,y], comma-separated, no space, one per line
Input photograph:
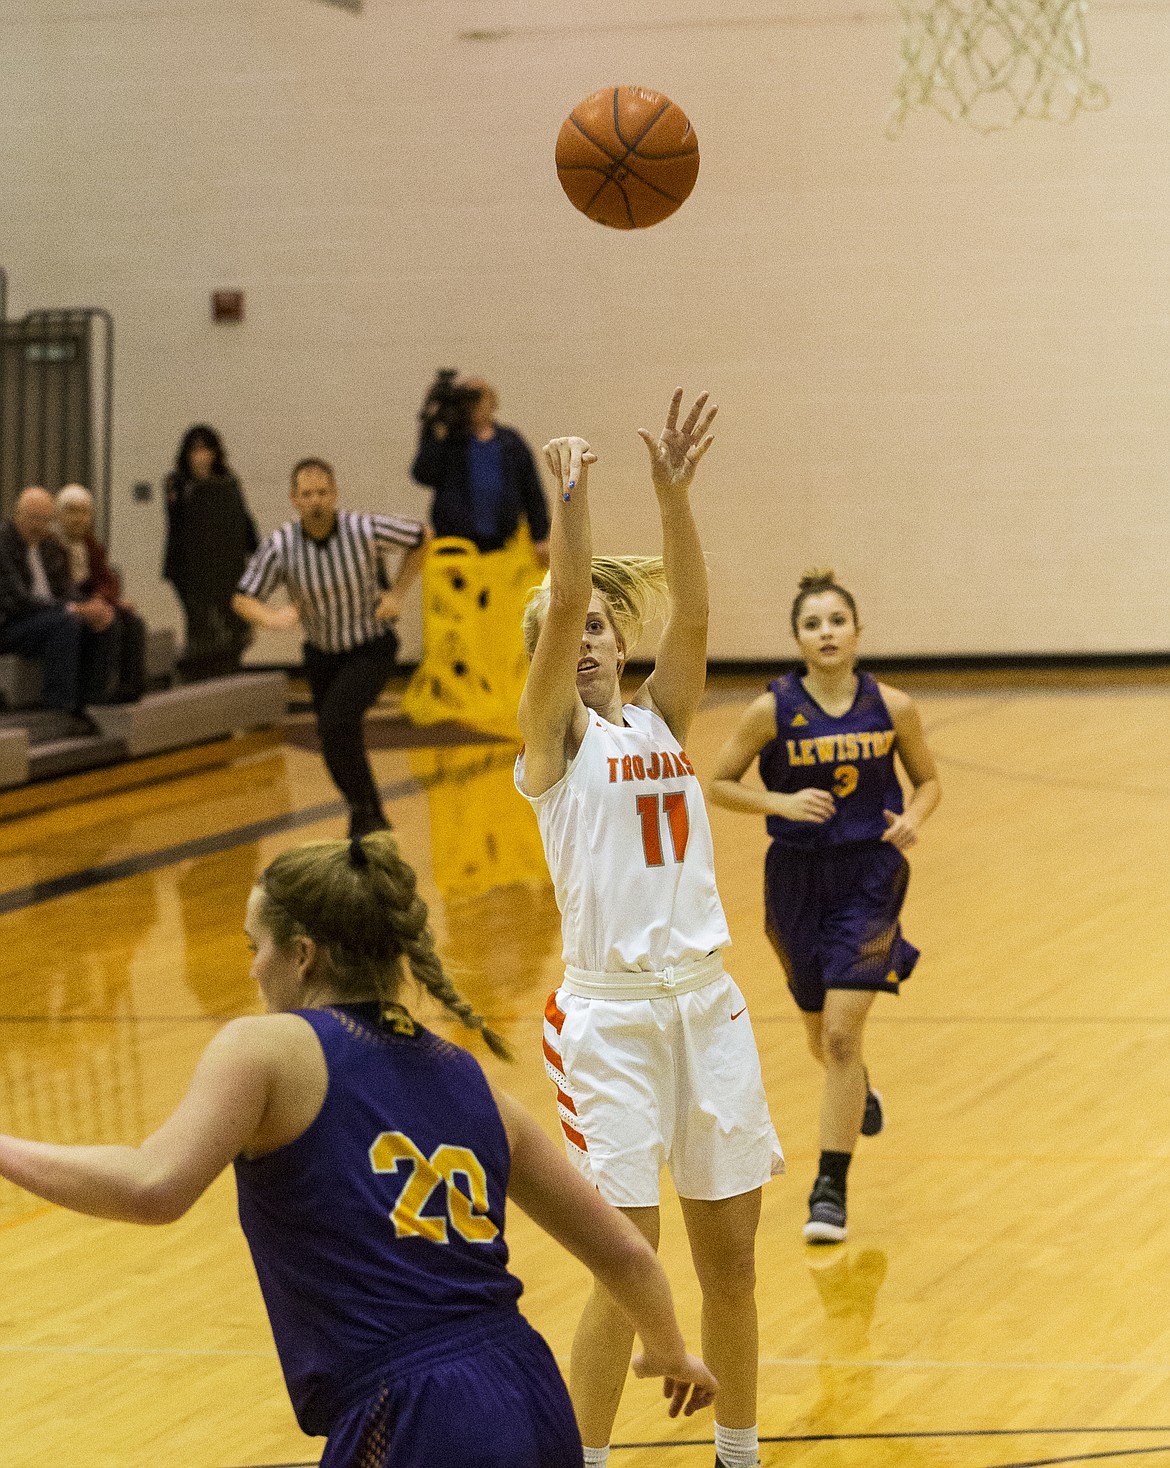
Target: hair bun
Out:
[817,576]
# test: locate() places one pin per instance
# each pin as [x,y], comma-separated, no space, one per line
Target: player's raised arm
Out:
[557,1197]
[552,715]
[157,1181]
[675,687]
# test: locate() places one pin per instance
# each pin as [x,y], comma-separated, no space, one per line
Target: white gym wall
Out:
[941,362]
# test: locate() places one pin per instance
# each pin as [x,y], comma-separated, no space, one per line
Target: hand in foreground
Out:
[388,608]
[569,460]
[813,805]
[900,831]
[685,1381]
[675,453]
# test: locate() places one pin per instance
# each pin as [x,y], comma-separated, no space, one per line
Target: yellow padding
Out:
[473,664]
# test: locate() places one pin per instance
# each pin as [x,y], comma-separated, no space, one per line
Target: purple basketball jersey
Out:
[852,757]
[382,1225]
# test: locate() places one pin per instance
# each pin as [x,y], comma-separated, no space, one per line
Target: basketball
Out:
[627,157]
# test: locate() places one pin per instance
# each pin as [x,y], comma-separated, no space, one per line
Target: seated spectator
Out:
[93,575]
[43,615]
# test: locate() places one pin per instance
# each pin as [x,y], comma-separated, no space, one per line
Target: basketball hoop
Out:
[989,63]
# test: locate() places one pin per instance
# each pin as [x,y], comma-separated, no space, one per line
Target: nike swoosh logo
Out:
[738,1012]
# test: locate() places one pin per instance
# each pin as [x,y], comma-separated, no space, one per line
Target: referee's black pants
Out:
[344,685]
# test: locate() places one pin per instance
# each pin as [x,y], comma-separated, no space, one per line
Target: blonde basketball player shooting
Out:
[647,1040]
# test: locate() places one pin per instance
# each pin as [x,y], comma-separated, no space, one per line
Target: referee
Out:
[330,565]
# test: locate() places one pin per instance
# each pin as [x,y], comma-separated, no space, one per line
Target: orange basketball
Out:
[627,157]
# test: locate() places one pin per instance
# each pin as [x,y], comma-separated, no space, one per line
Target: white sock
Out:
[597,1457]
[735,1447]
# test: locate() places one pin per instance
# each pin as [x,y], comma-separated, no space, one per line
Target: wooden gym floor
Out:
[1002,1298]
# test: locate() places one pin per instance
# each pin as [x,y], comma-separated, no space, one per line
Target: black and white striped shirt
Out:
[333,583]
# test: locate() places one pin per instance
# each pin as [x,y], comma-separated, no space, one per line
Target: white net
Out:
[989,63]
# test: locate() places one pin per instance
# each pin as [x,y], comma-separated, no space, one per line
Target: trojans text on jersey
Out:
[664,766]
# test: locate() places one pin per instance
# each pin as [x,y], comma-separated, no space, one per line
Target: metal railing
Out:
[56,403]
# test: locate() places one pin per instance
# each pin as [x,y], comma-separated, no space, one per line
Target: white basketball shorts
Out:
[673,1082]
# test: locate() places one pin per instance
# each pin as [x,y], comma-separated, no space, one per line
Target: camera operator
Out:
[482,473]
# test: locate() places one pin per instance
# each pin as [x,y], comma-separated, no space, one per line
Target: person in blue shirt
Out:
[483,475]
[835,874]
[372,1162]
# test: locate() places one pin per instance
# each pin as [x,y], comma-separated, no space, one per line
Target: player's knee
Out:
[731,1272]
[841,1045]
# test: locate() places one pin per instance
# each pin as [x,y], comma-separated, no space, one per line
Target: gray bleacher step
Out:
[20,678]
[59,757]
[41,725]
[195,712]
[13,757]
[20,681]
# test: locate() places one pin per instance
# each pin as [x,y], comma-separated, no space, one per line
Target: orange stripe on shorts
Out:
[574,1136]
[552,1057]
[553,1014]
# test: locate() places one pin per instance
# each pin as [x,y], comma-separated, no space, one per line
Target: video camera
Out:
[448,404]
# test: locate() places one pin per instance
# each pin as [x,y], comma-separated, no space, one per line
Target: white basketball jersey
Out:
[628,844]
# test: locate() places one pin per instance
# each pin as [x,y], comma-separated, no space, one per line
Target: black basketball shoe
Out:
[826,1213]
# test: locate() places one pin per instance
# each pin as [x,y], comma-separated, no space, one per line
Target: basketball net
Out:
[989,63]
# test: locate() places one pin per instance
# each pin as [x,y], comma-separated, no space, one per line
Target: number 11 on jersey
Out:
[674,803]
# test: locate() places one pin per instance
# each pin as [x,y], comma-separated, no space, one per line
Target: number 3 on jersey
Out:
[674,804]
[844,780]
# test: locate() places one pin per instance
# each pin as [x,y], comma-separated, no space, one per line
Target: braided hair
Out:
[358,901]
[812,583]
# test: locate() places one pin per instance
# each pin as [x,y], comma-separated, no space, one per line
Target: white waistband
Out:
[678,978]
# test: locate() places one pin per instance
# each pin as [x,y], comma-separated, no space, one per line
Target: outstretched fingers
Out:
[697,450]
[693,416]
[704,427]
[672,411]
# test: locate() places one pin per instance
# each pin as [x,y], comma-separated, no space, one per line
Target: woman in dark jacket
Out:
[210,536]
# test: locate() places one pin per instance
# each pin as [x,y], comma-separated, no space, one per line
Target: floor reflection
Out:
[847,1282]
[211,952]
[505,961]
[483,832]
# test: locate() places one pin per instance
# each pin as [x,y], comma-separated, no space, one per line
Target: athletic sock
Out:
[597,1457]
[835,1166]
[737,1447]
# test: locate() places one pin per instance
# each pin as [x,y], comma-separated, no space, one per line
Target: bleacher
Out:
[20,678]
[37,744]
